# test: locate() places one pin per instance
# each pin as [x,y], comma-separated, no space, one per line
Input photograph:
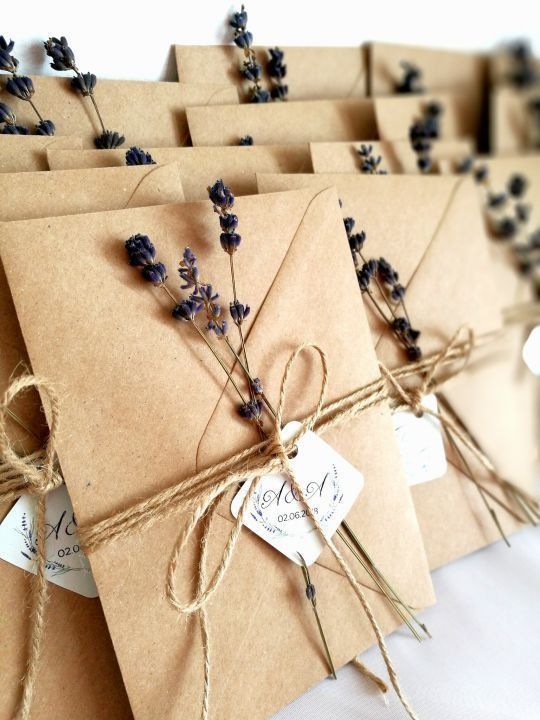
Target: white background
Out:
[133,40]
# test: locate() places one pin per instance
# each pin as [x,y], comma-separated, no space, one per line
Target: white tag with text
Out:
[420,443]
[275,513]
[66,565]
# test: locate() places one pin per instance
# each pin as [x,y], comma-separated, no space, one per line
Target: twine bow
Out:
[35,474]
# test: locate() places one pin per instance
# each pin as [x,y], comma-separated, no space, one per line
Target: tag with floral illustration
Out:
[330,484]
[420,444]
[66,564]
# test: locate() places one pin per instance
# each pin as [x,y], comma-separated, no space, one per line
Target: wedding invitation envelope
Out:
[441,69]
[512,127]
[313,73]
[146,113]
[78,657]
[460,118]
[200,166]
[397,155]
[430,246]
[145,405]
[27,153]
[284,123]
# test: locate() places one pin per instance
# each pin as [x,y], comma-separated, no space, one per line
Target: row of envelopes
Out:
[143,407]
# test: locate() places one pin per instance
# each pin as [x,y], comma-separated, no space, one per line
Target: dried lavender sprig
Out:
[63,60]
[251,68]
[422,132]
[21,86]
[277,70]
[142,255]
[369,164]
[411,79]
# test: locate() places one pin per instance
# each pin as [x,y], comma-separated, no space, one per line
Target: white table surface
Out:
[483,662]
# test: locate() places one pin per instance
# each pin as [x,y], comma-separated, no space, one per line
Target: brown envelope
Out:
[397,155]
[200,166]
[133,374]
[283,123]
[442,69]
[79,675]
[24,153]
[453,278]
[146,113]
[511,121]
[313,73]
[461,117]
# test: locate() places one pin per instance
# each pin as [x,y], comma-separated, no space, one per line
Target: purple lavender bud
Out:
[15,130]
[186,310]
[62,55]
[21,87]
[251,71]
[401,325]
[259,95]
[239,312]
[155,273]
[228,222]
[140,250]
[5,45]
[84,84]
[517,185]
[218,328]
[256,386]
[310,592]
[239,20]
[220,195]
[230,242]
[349,223]
[465,166]
[45,127]
[480,173]
[414,353]
[279,92]
[246,140]
[7,115]
[244,39]
[109,140]
[137,156]
[252,410]
[496,200]
[7,61]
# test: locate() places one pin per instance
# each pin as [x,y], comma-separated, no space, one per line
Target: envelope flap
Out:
[313,73]
[146,113]
[275,123]
[27,153]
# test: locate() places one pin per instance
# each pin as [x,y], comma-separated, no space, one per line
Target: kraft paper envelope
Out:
[284,123]
[512,123]
[397,155]
[24,153]
[441,69]
[130,372]
[460,118]
[79,675]
[146,113]
[199,167]
[430,246]
[313,73]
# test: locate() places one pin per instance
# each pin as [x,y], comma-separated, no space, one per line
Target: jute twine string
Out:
[197,495]
[36,475]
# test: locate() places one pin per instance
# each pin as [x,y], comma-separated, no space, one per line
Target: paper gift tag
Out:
[330,484]
[420,443]
[66,564]
[531,351]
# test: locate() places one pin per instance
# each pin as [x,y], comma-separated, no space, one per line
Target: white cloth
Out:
[483,662]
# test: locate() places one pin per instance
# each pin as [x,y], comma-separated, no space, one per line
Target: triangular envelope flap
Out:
[161,365]
[290,122]
[305,307]
[313,73]
[460,116]
[146,113]
[441,69]
[27,153]
[69,192]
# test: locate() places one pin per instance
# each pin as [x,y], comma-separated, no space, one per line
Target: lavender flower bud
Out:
[220,195]
[188,270]
[259,95]
[7,115]
[84,84]
[186,310]
[137,156]
[256,386]
[20,86]
[15,130]
[5,45]
[506,228]
[239,19]
[349,223]
[424,164]
[239,312]
[7,61]
[252,410]
[251,71]
[279,92]
[310,592]
[414,353]
[276,68]
[356,241]
[496,200]
[465,166]
[228,222]
[155,273]
[517,185]
[244,39]
[480,173]
[246,140]
[45,127]
[141,254]
[401,325]
[62,55]
[219,329]
[109,140]
[230,242]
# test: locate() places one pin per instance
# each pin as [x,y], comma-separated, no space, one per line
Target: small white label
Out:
[420,443]
[66,564]
[531,351]
[275,513]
